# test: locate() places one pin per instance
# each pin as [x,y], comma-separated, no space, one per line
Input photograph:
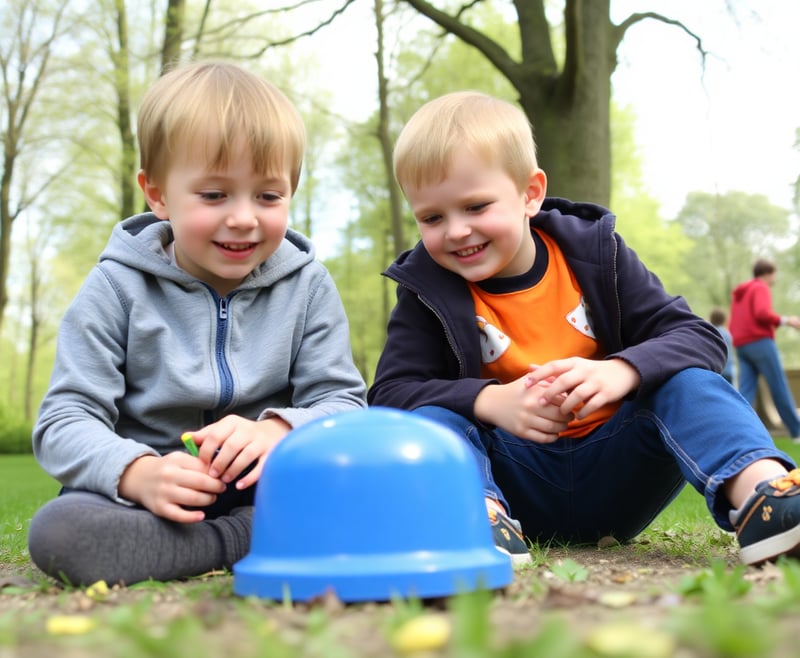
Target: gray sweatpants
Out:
[83,537]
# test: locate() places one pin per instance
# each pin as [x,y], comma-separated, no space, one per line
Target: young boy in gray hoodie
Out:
[207,315]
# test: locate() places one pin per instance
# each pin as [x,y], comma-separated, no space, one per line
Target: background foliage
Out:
[69,180]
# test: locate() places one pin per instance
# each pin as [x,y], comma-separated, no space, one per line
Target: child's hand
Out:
[793,321]
[522,410]
[233,443]
[581,386]
[164,485]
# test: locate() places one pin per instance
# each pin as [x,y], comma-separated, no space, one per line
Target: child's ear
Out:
[153,195]
[535,192]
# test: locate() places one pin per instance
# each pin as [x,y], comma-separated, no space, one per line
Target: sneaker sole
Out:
[787,543]
[517,559]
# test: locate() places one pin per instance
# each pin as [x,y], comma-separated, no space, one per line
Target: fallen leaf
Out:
[98,591]
[16,582]
[69,624]
[607,542]
[617,599]
[423,633]
[627,639]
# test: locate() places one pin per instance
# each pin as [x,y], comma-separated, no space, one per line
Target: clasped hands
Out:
[540,404]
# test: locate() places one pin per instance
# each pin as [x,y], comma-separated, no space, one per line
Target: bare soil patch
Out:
[635,583]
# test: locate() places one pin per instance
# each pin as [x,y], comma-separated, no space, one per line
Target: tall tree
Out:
[174,25]
[384,136]
[30,32]
[36,244]
[796,195]
[567,99]
[120,57]
[729,232]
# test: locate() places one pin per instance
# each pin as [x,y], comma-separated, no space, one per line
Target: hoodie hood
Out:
[141,242]
[559,217]
[582,210]
[743,288]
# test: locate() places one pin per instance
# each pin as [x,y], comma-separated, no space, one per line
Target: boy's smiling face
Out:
[225,222]
[474,222]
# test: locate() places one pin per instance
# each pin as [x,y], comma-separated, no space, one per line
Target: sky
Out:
[729,127]
[726,124]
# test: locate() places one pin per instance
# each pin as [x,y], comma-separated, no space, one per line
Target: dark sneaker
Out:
[508,537]
[768,524]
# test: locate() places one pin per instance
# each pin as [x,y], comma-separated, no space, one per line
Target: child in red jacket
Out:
[752,325]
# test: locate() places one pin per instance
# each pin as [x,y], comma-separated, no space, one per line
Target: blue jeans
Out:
[695,427]
[761,358]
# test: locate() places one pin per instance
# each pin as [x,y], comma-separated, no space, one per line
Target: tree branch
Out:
[490,49]
[226,28]
[618,32]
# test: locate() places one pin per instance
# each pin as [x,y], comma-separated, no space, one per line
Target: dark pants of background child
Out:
[615,481]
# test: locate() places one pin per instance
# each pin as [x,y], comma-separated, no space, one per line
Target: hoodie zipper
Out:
[432,308]
[457,353]
[225,377]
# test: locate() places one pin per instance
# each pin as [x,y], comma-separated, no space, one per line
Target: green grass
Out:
[719,614]
[15,433]
[689,506]
[686,528]
[24,487]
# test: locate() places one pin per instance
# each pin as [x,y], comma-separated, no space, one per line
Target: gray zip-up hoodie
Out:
[146,352]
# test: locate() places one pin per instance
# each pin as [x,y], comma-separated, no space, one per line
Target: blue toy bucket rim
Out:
[420,574]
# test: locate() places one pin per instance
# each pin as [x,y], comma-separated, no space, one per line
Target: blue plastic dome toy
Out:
[370,505]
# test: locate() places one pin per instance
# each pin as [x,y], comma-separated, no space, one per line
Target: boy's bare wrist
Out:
[280,422]
[128,487]
[484,404]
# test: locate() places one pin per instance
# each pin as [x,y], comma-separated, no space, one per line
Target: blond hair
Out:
[210,109]
[493,130]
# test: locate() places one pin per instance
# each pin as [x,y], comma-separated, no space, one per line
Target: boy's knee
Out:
[62,533]
[49,536]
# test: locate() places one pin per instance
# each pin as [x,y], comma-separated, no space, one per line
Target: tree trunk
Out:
[568,108]
[571,115]
[384,137]
[33,335]
[173,34]
[23,65]
[6,221]
[127,174]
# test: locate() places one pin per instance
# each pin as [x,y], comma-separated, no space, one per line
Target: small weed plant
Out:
[715,609]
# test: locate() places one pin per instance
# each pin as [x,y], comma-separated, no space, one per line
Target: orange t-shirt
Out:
[547,321]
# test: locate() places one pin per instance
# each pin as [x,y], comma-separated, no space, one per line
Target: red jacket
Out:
[752,317]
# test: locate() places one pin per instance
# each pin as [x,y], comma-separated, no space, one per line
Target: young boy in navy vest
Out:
[588,394]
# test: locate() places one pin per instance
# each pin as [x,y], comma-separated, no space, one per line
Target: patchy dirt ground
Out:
[635,584]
